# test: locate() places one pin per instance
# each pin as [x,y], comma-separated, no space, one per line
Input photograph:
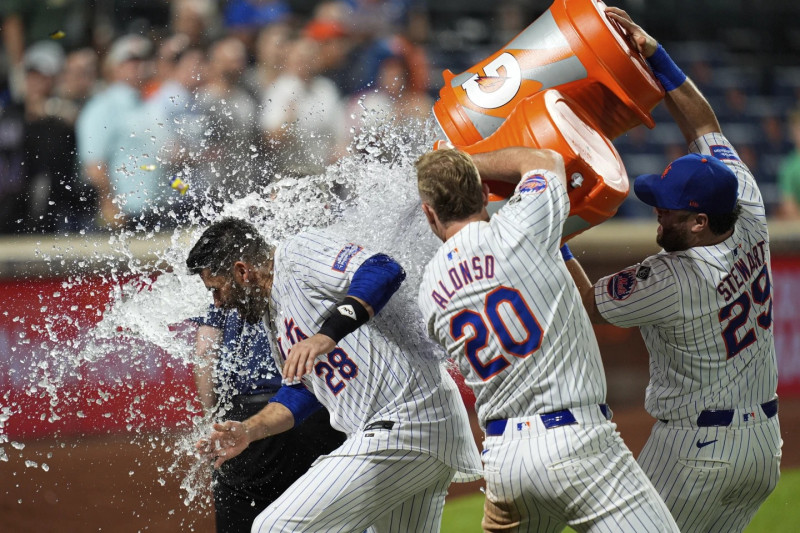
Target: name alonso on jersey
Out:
[461,275]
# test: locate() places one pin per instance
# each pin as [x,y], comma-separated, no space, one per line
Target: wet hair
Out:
[449,182]
[724,222]
[223,243]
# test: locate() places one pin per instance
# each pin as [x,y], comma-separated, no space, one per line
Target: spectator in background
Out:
[301,113]
[244,18]
[12,154]
[236,377]
[789,175]
[119,138]
[230,134]
[195,19]
[25,22]
[175,101]
[270,51]
[166,58]
[78,82]
[393,100]
[335,46]
[52,198]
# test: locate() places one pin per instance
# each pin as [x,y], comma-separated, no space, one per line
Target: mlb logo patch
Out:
[452,253]
[532,183]
[344,256]
[748,416]
[643,272]
[621,285]
[523,425]
[723,152]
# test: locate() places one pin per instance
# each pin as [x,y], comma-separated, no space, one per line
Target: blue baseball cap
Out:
[694,182]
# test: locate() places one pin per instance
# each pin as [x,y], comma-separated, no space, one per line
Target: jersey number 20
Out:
[481,323]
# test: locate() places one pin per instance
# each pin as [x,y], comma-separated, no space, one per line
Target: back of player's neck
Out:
[455,227]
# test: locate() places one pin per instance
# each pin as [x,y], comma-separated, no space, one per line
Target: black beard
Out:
[672,241]
[249,302]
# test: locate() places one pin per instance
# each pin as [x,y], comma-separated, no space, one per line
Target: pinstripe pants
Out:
[389,491]
[581,475]
[713,479]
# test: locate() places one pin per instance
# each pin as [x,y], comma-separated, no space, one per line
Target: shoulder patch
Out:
[532,183]
[621,284]
[344,256]
[722,152]
[643,272]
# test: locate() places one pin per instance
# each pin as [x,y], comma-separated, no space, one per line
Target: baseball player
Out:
[704,308]
[240,377]
[408,433]
[498,297]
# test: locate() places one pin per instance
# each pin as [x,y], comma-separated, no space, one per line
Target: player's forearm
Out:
[691,111]
[273,419]
[509,164]
[689,108]
[205,354]
[203,380]
[586,290]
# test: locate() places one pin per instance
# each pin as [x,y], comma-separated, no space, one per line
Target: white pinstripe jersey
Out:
[497,295]
[705,313]
[373,374]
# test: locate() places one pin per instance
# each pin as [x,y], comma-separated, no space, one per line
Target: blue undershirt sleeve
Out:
[376,280]
[299,400]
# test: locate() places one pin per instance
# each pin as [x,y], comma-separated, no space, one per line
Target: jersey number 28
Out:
[480,325]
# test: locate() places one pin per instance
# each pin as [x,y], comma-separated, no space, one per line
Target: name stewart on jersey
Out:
[461,275]
[744,268]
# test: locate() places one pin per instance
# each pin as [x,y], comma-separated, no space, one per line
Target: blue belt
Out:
[724,417]
[556,419]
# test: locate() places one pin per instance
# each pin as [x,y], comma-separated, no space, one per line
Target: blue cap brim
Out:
[643,187]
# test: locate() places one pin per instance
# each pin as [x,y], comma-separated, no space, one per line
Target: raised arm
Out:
[688,107]
[584,285]
[510,164]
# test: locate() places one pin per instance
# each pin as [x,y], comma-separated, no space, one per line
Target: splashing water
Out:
[133,330]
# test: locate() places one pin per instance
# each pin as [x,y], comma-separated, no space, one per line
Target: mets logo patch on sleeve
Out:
[621,284]
[532,183]
[722,152]
[345,255]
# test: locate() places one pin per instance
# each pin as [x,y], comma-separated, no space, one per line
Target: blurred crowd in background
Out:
[109,107]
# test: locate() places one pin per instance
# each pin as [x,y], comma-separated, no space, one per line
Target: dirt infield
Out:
[109,484]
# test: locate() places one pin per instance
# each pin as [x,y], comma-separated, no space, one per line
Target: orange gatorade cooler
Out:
[573,47]
[596,177]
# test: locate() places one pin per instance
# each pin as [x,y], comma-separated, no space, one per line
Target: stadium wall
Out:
[68,277]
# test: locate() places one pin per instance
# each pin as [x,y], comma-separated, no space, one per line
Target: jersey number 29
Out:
[738,311]
[481,323]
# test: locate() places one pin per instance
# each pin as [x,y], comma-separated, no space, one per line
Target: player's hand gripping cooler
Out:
[596,179]
[605,86]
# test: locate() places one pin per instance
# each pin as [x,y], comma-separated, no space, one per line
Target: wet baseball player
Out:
[237,381]
[704,308]
[498,297]
[408,432]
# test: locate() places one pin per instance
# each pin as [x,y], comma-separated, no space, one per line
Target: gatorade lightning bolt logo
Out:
[537,59]
[494,89]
